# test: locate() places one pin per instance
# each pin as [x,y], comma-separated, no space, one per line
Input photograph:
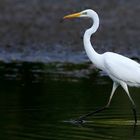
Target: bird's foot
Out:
[76,121]
[79,121]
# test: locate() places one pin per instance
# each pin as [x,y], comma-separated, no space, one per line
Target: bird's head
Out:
[85,13]
[89,14]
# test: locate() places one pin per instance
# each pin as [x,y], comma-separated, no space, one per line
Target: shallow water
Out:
[34,105]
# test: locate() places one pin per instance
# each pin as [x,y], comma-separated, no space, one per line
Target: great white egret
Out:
[122,70]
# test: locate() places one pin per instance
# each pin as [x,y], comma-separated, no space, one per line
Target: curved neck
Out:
[92,54]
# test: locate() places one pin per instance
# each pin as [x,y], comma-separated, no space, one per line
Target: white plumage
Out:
[122,70]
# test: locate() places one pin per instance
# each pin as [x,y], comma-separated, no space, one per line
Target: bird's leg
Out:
[135,115]
[124,85]
[80,119]
[115,85]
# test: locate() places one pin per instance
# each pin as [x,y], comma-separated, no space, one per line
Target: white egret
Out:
[122,70]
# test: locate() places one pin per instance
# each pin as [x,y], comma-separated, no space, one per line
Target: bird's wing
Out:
[122,68]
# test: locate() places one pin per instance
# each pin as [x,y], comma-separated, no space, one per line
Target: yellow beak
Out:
[75,15]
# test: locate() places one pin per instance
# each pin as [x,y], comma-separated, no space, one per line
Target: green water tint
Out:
[107,122]
[36,105]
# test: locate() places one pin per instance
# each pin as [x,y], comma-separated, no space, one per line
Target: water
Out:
[35,105]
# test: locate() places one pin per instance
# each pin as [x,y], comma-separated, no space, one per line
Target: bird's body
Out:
[122,70]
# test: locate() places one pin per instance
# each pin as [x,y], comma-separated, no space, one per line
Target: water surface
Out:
[33,105]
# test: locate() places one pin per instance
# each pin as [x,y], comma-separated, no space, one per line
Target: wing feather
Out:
[122,68]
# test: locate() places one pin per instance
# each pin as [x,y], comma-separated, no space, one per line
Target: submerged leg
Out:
[124,86]
[80,119]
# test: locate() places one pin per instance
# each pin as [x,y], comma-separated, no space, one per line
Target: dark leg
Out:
[124,85]
[80,120]
[135,115]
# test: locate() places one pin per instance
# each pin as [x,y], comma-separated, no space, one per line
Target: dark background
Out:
[30,29]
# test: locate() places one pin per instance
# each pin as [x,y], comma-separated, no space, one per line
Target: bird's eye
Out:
[85,13]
